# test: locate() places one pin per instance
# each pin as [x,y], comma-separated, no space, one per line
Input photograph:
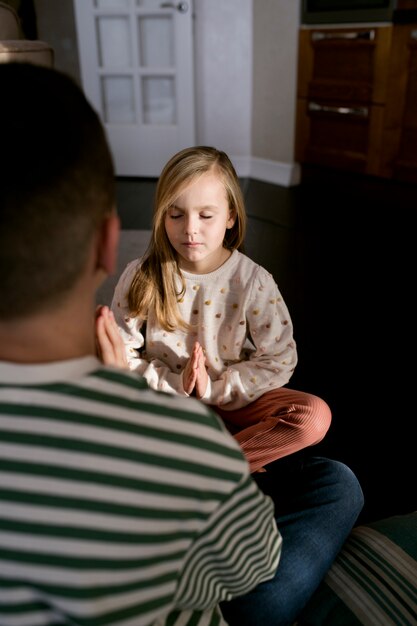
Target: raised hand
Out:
[109,345]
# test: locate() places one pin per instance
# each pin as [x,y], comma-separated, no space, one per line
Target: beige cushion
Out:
[27,51]
[9,23]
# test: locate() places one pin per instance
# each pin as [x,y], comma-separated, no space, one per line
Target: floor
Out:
[342,250]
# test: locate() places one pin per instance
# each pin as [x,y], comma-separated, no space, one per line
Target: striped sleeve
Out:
[239,547]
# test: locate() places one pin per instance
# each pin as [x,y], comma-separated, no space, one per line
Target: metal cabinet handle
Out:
[357,111]
[182,7]
[367,34]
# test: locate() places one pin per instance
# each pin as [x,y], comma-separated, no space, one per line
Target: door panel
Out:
[136,61]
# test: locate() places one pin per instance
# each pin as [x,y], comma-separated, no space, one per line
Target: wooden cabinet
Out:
[357,99]
[342,94]
[400,125]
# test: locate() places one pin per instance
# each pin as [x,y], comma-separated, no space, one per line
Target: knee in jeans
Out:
[350,488]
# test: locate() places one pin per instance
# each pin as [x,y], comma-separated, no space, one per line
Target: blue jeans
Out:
[317,502]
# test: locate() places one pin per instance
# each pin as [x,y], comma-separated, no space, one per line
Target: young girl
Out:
[198,317]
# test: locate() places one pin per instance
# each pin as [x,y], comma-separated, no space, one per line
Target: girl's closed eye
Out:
[174,214]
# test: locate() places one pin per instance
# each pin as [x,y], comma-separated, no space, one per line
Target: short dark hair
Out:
[56,185]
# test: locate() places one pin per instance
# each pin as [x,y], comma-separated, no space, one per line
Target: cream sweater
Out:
[238,316]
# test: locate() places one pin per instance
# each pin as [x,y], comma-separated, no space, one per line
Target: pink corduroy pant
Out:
[280,422]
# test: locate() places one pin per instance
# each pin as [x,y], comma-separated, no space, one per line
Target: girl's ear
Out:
[232,218]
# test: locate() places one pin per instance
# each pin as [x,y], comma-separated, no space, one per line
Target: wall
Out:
[246,68]
[245,77]
[56,25]
[275,40]
[223,76]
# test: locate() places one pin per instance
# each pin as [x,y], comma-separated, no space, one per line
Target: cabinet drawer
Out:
[344,64]
[347,136]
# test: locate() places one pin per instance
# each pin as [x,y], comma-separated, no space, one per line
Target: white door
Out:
[136,60]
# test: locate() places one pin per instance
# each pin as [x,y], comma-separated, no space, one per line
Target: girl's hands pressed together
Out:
[109,345]
[195,375]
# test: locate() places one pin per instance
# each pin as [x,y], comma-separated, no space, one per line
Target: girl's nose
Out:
[190,225]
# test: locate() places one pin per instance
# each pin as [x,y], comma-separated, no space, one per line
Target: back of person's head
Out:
[185,167]
[57,185]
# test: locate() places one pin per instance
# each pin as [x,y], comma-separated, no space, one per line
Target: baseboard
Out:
[283,174]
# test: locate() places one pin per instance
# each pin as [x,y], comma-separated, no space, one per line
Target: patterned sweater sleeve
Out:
[155,372]
[270,355]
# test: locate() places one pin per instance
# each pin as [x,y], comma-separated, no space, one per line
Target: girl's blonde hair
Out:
[155,284]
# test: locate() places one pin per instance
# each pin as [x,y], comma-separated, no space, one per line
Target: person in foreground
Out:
[118,504]
[195,315]
[199,317]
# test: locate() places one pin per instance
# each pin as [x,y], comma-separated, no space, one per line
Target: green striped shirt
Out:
[121,505]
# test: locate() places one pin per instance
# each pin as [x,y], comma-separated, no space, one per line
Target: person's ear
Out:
[232,218]
[108,244]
